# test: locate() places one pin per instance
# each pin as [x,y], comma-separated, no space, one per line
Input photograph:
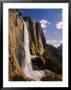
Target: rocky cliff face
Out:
[37,39]
[15,29]
[38,48]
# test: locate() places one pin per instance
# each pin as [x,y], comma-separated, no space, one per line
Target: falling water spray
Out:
[27,66]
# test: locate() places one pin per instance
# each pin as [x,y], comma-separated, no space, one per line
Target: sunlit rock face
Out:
[27,48]
[15,31]
[37,39]
[39,47]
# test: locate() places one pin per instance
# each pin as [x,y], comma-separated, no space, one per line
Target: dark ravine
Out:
[45,58]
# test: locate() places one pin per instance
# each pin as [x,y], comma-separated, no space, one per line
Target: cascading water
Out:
[26,66]
[27,69]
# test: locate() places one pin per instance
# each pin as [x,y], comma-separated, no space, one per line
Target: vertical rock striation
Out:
[39,52]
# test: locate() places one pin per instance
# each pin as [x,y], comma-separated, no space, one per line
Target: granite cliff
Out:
[42,57]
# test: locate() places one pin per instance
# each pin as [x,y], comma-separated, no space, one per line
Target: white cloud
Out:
[54,42]
[44,23]
[59,25]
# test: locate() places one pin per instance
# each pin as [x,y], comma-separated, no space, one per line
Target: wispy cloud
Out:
[54,42]
[44,23]
[59,25]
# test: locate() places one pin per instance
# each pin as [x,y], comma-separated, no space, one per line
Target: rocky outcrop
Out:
[15,29]
[39,47]
[45,58]
[37,39]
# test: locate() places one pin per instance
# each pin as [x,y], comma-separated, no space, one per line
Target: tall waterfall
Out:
[26,66]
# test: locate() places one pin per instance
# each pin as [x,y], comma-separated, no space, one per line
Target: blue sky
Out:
[51,22]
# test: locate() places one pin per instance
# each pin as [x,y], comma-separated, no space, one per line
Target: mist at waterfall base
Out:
[26,64]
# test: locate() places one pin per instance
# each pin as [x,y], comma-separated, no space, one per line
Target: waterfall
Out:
[26,66]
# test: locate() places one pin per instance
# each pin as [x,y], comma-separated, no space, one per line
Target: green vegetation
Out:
[18,78]
[56,77]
